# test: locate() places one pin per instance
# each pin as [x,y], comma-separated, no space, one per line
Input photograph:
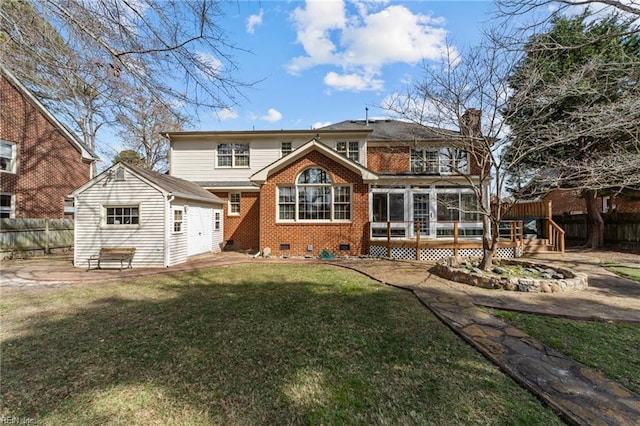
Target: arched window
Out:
[314,197]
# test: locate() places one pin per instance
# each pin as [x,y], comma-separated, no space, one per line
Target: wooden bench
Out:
[114,254]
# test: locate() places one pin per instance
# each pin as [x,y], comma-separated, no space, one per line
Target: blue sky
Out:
[320,62]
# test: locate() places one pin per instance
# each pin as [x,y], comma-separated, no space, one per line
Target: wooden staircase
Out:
[552,234]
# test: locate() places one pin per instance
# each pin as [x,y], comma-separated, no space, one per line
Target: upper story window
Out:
[8,153]
[442,160]
[7,206]
[122,215]
[351,150]
[233,155]
[234,204]
[286,148]
[314,198]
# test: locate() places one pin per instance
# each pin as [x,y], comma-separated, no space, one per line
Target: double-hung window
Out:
[286,148]
[314,197]
[439,160]
[233,155]
[122,215]
[8,156]
[234,203]
[350,149]
[178,217]
[7,206]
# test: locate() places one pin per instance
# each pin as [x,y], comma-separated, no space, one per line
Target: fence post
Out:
[455,238]
[418,240]
[46,236]
[388,239]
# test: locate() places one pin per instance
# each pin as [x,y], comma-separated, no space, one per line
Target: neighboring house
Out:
[41,161]
[345,187]
[165,218]
[569,202]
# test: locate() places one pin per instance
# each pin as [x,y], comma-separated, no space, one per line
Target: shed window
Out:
[216,221]
[122,215]
[178,215]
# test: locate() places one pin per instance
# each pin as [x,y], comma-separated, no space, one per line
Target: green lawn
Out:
[625,271]
[247,344]
[611,348]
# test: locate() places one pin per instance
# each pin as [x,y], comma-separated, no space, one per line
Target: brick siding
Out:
[243,230]
[48,166]
[319,235]
[568,201]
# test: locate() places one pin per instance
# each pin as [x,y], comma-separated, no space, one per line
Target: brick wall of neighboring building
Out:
[568,201]
[242,232]
[48,166]
[319,235]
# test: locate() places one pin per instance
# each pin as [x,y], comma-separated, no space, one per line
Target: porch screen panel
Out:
[421,213]
[380,212]
[448,207]
[396,207]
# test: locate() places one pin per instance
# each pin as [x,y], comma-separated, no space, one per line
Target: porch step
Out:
[537,246]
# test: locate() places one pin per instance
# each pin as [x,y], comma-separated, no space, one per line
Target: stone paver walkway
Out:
[581,395]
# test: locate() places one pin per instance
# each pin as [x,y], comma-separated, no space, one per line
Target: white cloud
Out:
[210,61]
[353,82]
[253,21]
[227,114]
[361,43]
[320,124]
[272,116]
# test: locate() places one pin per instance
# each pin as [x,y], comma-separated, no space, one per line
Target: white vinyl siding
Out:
[196,160]
[91,233]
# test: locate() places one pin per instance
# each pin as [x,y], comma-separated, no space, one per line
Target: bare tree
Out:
[80,55]
[475,82]
[140,124]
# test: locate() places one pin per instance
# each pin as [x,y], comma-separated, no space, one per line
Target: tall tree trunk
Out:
[489,243]
[595,223]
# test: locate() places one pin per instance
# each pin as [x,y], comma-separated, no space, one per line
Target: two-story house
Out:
[347,188]
[41,161]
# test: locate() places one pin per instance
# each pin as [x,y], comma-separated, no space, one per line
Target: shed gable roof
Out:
[169,185]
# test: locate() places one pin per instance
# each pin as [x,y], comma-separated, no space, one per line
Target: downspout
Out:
[167,225]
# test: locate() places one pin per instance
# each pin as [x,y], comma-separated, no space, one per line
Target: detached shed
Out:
[165,218]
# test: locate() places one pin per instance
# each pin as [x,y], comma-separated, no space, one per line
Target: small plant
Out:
[326,254]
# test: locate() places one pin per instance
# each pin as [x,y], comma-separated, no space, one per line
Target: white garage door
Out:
[199,227]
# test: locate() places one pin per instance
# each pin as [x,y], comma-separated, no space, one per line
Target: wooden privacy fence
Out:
[621,230]
[25,235]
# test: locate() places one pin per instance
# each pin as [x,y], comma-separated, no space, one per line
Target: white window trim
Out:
[14,157]
[282,153]
[217,221]
[233,155]
[229,204]
[120,225]
[173,219]
[442,164]
[332,213]
[346,153]
[12,208]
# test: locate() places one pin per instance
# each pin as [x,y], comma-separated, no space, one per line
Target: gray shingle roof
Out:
[176,186]
[394,130]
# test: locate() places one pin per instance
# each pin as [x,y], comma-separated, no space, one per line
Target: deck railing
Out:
[511,232]
[530,210]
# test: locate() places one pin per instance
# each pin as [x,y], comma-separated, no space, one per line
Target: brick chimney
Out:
[470,123]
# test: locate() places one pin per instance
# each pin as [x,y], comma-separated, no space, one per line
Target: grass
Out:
[611,348]
[268,344]
[625,271]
